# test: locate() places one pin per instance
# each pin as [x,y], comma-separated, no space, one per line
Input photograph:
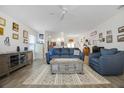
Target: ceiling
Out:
[79,18]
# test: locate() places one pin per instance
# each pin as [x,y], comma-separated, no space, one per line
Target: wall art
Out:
[7,41]
[2,21]
[120,38]
[101,39]
[1,31]
[100,35]
[15,27]
[25,41]
[25,34]
[41,36]
[109,32]
[93,33]
[15,36]
[109,39]
[121,29]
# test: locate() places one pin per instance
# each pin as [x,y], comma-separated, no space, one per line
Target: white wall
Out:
[111,24]
[8,32]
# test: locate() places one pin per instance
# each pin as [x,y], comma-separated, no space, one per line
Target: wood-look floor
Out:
[15,79]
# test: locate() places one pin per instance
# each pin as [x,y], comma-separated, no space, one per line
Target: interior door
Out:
[39,51]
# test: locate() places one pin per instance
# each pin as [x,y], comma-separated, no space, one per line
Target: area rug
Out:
[42,76]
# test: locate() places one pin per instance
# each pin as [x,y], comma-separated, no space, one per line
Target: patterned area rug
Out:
[42,76]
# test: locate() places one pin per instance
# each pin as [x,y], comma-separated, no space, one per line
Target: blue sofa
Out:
[63,53]
[107,62]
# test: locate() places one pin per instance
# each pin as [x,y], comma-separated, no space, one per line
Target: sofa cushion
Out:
[105,52]
[65,56]
[65,51]
[74,56]
[76,52]
[57,51]
[55,56]
[95,61]
[71,51]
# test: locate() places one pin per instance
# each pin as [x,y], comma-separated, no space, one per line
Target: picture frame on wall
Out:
[2,21]
[121,29]
[120,38]
[109,32]
[1,31]
[109,39]
[93,33]
[25,34]
[100,35]
[15,36]
[101,39]
[41,36]
[15,27]
[25,41]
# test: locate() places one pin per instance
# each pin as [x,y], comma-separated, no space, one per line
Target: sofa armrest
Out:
[112,63]
[81,56]
[48,58]
[119,58]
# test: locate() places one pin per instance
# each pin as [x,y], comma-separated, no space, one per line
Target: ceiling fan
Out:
[120,7]
[64,12]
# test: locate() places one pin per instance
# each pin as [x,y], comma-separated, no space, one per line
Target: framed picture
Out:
[1,31]
[120,38]
[109,32]
[100,35]
[15,36]
[121,29]
[93,33]
[25,41]
[15,27]
[25,34]
[2,21]
[41,36]
[109,39]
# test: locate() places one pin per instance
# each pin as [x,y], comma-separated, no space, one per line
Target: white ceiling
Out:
[47,17]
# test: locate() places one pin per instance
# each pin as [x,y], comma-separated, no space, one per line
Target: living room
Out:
[64,46]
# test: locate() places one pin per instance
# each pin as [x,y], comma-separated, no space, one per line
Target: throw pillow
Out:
[76,52]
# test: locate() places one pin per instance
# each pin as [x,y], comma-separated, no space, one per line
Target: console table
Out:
[13,61]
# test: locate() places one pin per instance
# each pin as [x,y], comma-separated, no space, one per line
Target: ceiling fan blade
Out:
[62,17]
[121,6]
[64,11]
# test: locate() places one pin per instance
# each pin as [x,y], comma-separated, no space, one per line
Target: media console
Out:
[13,61]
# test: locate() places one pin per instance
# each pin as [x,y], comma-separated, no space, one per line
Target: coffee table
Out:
[66,65]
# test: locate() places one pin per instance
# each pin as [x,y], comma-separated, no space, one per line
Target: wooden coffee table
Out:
[66,65]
